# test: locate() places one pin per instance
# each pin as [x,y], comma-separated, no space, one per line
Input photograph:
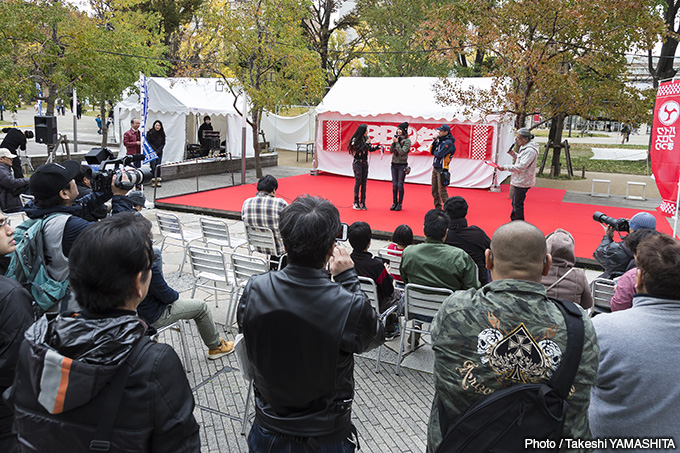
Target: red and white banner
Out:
[473,141]
[665,152]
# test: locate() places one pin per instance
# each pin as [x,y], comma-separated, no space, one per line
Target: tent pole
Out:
[243,139]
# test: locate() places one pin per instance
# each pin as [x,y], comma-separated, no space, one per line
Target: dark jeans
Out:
[360,177]
[518,196]
[398,177]
[155,163]
[439,192]
[261,440]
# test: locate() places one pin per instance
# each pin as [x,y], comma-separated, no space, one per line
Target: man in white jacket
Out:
[523,171]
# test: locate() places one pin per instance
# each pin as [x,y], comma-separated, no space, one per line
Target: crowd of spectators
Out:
[86,376]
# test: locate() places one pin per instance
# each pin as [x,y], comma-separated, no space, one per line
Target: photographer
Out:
[359,147]
[616,257]
[400,147]
[55,192]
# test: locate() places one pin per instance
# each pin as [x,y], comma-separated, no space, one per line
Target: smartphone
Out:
[342,234]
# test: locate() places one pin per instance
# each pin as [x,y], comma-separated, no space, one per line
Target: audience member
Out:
[78,372]
[564,281]
[84,185]
[16,140]
[625,284]
[16,315]
[304,396]
[507,332]
[472,239]
[616,257]
[162,307]
[401,238]
[434,263]
[359,235]
[55,192]
[264,210]
[637,393]
[10,187]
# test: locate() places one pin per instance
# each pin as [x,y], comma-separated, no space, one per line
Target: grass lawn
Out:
[574,132]
[581,154]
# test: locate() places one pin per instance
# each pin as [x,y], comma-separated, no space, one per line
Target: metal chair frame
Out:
[171,228]
[177,325]
[369,287]
[216,231]
[603,290]
[243,267]
[261,239]
[209,264]
[393,260]
[245,369]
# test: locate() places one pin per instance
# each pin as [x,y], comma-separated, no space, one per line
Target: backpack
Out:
[505,419]
[27,264]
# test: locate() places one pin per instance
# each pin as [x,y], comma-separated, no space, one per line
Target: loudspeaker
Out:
[98,155]
[46,129]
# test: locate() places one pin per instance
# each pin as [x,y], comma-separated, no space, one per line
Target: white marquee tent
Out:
[383,103]
[180,104]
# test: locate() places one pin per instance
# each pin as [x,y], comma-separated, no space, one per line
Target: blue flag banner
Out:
[147,150]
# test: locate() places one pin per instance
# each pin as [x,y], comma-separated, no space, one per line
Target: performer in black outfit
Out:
[359,147]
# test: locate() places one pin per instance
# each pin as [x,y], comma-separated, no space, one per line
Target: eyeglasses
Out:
[5,222]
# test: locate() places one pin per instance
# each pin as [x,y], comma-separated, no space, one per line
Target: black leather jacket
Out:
[301,332]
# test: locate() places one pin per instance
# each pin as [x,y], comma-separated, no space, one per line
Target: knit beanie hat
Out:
[404,127]
[642,220]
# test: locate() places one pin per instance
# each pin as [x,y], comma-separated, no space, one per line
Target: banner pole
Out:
[677,202]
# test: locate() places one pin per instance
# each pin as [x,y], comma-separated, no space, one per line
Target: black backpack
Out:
[504,420]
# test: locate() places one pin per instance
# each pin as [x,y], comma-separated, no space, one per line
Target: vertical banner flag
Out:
[147,150]
[665,152]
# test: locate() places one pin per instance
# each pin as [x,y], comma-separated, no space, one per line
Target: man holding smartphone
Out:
[301,332]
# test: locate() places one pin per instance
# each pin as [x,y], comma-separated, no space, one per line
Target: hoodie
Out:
[62,381]
[574,287]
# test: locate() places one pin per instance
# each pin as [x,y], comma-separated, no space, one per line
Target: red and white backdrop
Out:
[475,143]
[665,152]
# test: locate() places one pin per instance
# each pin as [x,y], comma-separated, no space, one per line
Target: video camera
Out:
[101,180]
[617,224]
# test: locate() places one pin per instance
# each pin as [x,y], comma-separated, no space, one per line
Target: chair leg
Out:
[193,290]
[183,339]
[216,300]
[232,308]
[227,324]
[377,365]
[184,258]
[401,347]
[245,411]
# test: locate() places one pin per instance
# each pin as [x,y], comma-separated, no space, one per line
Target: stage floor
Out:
[544,208]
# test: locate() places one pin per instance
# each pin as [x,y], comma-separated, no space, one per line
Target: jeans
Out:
[196,310]
[155,163]
[360,177]
[439,192]
[518,196]
[398,177]
[261,440]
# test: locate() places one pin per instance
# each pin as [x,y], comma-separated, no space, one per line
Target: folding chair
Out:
[25,199]
[393,260]
[171,228]
[216,232]
[211,265]
[177,325]
[419,300]
[243,267]
[369,287]
[603,290]
[246,371]
[261,239]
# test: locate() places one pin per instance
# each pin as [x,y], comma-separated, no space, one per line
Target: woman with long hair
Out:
[359,147]
[156,138]
[400,147]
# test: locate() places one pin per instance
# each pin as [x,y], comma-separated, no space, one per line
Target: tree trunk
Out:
[105,127]
[256,142]
[555,139]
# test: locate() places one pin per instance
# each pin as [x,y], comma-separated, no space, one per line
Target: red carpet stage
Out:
[544,207]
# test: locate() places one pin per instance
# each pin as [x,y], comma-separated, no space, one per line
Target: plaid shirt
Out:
[263,210]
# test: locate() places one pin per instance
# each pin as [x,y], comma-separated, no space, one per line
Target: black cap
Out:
[49,179]
[404,127]
[444,127]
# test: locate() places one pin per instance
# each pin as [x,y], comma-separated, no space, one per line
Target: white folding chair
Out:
[369,287]
[393,260]
[603,290]
[243,267]
[246,371]
[177,325]
[261,239]
[171,228]
[216,232]
[211,265]
[419,300]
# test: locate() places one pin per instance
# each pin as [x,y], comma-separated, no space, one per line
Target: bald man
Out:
[507,332]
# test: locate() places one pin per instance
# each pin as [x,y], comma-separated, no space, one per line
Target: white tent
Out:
[382,103]
[180,104]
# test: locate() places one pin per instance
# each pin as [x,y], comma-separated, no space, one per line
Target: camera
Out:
[617,224]
[101,180]
[342,234]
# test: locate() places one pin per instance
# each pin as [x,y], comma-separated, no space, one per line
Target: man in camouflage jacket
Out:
[507,332]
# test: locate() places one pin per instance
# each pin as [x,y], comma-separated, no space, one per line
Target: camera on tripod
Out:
[101,179]
[617,224]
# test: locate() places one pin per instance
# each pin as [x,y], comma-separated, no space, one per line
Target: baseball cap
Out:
[642,220]
[444,127]
[4,152]
[137,197]
[49,179]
